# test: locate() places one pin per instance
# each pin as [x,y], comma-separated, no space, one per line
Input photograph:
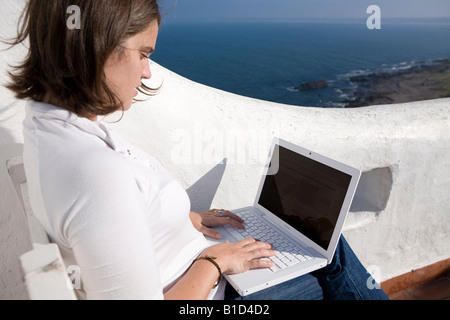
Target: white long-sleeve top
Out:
[114,211]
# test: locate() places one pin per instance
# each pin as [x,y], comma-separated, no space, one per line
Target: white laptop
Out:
[300,207]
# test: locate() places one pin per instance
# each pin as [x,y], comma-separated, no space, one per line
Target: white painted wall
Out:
[400,218]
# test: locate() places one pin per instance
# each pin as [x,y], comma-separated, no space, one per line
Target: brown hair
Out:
[68,63]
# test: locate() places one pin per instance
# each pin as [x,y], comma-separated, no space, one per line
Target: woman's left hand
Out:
[202,221]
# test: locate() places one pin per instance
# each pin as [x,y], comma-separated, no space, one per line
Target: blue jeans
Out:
[345,278]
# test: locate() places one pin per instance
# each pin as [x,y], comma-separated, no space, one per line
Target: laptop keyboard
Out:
[288,254]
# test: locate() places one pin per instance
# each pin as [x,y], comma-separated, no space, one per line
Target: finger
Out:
[226,220]
[226,213]
[270,244]
[255,249]
[259,246]
[260,263]
[210,232]
[246,242]
[213,212]
[260,258]
[233,216]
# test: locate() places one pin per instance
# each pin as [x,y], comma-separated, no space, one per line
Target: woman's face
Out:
[124,71]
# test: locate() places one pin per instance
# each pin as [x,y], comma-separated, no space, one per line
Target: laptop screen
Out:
[306,194]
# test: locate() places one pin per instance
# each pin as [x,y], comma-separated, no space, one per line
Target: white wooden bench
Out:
[44,272]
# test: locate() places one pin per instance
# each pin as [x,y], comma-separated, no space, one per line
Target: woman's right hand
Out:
[231,257]
[241,256]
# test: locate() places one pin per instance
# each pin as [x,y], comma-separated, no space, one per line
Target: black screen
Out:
[306,194]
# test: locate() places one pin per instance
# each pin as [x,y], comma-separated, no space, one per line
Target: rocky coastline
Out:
[417,83]
[422,81]
[312,85]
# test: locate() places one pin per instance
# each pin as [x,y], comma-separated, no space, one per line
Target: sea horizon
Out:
[385,20]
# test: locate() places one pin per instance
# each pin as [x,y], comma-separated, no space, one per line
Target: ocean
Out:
[268,60]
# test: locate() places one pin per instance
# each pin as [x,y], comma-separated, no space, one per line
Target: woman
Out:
[113,210]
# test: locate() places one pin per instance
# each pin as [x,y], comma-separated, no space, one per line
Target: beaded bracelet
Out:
[211,259]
